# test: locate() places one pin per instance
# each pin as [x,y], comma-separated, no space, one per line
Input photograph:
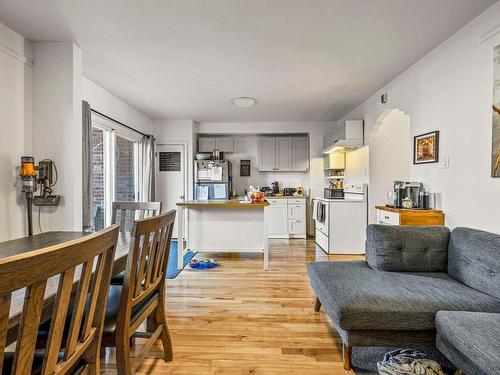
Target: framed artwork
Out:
[426,148]
[495,134]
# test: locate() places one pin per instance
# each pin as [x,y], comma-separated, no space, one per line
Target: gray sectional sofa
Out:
[410,273]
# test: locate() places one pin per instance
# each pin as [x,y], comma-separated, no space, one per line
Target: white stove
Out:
[341,223]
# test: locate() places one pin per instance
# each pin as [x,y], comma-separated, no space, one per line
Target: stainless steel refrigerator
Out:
[212,179]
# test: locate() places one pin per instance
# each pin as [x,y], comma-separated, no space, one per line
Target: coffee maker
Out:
[410,190]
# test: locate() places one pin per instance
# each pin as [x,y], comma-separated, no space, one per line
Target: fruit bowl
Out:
[257,197]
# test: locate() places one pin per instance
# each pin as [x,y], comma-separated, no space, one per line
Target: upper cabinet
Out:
[300,154]
[208,144]
[267,154]
[284,154]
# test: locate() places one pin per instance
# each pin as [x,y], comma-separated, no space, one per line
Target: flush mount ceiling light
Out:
[244,101]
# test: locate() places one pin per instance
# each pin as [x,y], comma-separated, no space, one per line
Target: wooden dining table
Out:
[39,241]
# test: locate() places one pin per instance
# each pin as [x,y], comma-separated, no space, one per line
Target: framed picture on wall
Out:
[426,148]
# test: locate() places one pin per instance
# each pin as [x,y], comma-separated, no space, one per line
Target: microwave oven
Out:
[330,193]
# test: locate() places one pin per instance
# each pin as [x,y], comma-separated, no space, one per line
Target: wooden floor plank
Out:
[238,319]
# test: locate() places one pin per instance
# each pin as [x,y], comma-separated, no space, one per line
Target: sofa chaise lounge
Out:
[410,273]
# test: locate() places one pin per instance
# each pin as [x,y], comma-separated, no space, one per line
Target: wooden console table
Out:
[405,216]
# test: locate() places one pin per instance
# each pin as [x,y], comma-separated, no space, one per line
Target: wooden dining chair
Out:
[142,294]
[91,258]
[124,213]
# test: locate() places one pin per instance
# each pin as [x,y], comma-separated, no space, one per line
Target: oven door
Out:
[323,225]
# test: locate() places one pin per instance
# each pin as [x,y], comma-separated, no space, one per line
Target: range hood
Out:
[347,138]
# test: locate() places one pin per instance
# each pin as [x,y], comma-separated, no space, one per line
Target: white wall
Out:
[103,101]
[390,156]
[314,181]
[15,127]
[450,89]
[357,166]
[57,127]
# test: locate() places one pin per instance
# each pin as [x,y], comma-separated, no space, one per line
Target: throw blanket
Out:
[408,361]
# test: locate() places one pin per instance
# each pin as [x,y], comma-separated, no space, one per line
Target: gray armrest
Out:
[407,249]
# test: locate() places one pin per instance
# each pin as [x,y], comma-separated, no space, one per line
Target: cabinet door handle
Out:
[387,217]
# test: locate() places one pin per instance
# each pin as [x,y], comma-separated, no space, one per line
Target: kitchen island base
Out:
[222,226]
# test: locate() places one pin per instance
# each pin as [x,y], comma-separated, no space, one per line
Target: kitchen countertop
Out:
[409,210]
[286,197]
[223,203]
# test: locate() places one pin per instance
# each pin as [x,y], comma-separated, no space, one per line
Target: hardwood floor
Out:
[239,319]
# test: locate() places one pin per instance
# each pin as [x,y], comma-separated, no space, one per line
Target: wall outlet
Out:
[445,163]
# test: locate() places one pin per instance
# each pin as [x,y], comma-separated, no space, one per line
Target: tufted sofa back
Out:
[407,249]
[474,259]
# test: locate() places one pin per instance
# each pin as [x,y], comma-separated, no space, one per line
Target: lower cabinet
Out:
[276,220]
[286,218]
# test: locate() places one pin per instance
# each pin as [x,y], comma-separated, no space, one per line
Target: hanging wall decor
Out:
[426,148]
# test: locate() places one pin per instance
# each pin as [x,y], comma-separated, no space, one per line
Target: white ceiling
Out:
[186,59]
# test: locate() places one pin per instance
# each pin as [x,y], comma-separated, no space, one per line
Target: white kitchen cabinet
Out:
[267,154]
[206,144]
[284,153]
[277,218]
[224,144]
[286,217]
[296,211]
[300,154]
[296,228]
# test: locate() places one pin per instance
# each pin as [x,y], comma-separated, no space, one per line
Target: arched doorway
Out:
[390,156]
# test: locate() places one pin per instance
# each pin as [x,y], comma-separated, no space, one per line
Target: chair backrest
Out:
[147,258]
[92,258]
[124,213]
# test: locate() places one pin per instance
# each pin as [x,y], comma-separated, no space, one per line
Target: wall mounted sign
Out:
[170,161]
[426,148]
[245,168]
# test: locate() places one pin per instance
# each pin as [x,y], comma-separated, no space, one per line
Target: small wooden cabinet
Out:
[404,216]
[284,154]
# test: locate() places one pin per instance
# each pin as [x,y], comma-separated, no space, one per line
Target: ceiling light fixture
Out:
[244,101]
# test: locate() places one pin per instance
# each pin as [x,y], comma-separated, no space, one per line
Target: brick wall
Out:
[124,174]
[124,170]
[98,178]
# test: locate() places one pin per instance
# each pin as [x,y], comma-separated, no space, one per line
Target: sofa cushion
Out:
[407,249]
[357,297]
[471,341]
[474,259]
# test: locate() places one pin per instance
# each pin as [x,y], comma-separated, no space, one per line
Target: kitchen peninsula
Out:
[222,226]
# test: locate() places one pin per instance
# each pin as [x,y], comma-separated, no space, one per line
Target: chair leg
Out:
[317,305]
[166,341]
[346,356]
[123,360]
